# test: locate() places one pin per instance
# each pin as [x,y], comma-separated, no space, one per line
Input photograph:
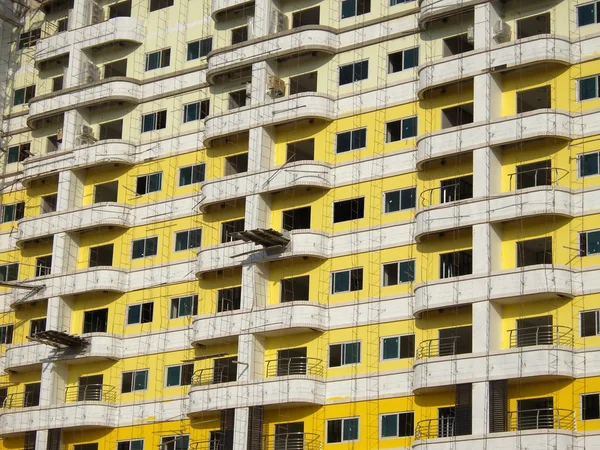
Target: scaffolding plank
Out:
[58,339]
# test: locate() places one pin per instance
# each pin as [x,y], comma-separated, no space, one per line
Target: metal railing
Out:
[432,348]
[540,419]
[90,393]
[21,400]
[214,375]
[541,335]
[434,428]
[447,194]
[296,365]
[218,441]
[292,441]
[542,176]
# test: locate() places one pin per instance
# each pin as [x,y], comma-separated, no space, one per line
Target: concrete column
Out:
[487,326]
[70,190]
[486,15]
[54,380]
[41,439]
[240,429]
[260,75]
[80,15]
[487,246]
[72,120]
[263,9]
[480,407]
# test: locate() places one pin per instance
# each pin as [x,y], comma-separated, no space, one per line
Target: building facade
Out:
[275,225]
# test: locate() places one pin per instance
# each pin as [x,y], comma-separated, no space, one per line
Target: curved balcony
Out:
[309,105]
[111,151]
[293,383]
[224,256]
[118,29]
[219,7]
[505,130]
[312,38]
[297,174]
[25,357]
[545,351]
[287,317]
[110,90]
[541,200]
[83,281]
[436,9]
[93,216]
[531,281]
[534,50]
[532,429]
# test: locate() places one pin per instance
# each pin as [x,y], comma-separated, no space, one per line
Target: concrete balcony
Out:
[435,9]
[297,174]
[316,38]
[84,281]
[26,357]
[505,130]
[102,152]
[309,105]
[98,215]
[543,439]
[119,29]
[534,50]
[288,318]
[110,90]
[299,390]
[535,281]
[224,256]
[514,363]
[222,6]
[542,200]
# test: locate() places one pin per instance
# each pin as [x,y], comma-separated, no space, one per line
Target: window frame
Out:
[194,312]
[173,438]
[354,65]
[28,94]
[7,332]
[397,414]
[597,314]
[200,105]
[18,210]
[135,372]
[164,54]
[596,21]
[199,42]
[399,336]
[356,13]
[33,35]
[22,149]
[400,191]
[402,137]
[348,200]
[597,85]
[145,249]
[389,72]
[166,385]
[580,158]
[130,442]
[155,122]
[8,268]
[351,132]
[343,345]
[332,280]
[141,305]
[342,419]
[581,408]
[188,239]
[147,189]
[586,251]
[192,174]
[398,263]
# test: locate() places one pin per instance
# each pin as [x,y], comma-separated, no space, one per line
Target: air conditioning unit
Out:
[471,34]
[97,13]
[279,22]
[59,134]
[501,31]
[92,73]
[276,86]
[85,135]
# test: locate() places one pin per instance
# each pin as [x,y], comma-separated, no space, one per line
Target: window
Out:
[63,25]
[158,60]
[195,111]
[236,164]
[140,313]
[589,164]
[3,395]
[351,8]
[155,5]
[192,174]
[342,430]
[111,130]
[589,243]
[106,192]
[239,35]
[589,323]
[406,59]
[23,95]
[13,212]
[18,153]
[228,228]
[101,255]
[590,406]
[533,26]
[238,99]
[9,272]
[136,380]
[296,219]
[184,306]
[589,87]
[179,442]
[6,334]
[344,354]
[148,183]
[37,325]
[309,16]
[347,281]
[399,200]
[121,9]
[588,14]
[29,440]
[229,299]
[43,266]
[295,289]
[398,347]
[306,82]
[348,210]
[48,203]
[401,129]
[115,69]
[399,2]
[137,444]
[57,83]
[351,140]
[354,72]
[199,49]
[184,240]
[29,38]
[95,321]
[398,273]
[31,395]
[142,248]
[180,375]
[93,446]
[397,425]
[154,121]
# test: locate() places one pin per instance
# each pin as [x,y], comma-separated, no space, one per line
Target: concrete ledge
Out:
[529,439]
[220,6]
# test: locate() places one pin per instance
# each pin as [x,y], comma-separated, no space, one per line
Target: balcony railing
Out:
[218,441]
[435,428]
[292,441]
[298,365]
[21,400]
[446,346]
[540,419]
[90,393]
[541,335]
[213,375]
[542,176]
[446,194]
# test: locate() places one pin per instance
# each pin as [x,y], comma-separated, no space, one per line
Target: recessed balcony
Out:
[437,9]
[109,214]
[221,8]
